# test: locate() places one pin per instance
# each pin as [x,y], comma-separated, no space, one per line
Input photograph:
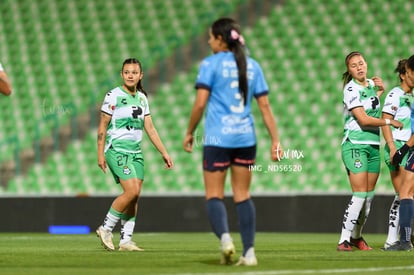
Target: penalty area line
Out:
[307,271]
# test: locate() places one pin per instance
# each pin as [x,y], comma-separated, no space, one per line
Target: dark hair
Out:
[410,63]
[346,76]
[400,69]
[229,30]
[135,61]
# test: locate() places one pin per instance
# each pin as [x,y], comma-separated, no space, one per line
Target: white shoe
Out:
[129,246]
[227,252]
[387,245]
[106,238]
[249,259]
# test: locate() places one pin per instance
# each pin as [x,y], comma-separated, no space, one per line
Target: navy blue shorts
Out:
[219,158]
[409,165]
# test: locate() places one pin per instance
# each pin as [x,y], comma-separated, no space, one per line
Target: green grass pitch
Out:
[195,254]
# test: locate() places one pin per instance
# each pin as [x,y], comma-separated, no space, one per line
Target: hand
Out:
[102,162]
[396,124]
[168,161]
[399,155]
[378,83]
[188,143]
[276,152]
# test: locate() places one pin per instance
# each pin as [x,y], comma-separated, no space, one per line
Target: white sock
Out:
[111,219]
[362,219]
[225,237]
[351,218]
[127,229]
[250,253]
[394,219]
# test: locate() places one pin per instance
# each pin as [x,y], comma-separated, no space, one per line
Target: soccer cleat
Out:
[344,246]
[227,252]
[360,243]
[400,246]
[129,246]
[106,238]
[386,245]
[249,259]
[252,261]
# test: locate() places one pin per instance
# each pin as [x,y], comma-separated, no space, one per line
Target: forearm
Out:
[195,118]
[102,128]
[156,141]
[101,138]
[5,86]
[387,133]
[410,142]
[268,118]
[271,127]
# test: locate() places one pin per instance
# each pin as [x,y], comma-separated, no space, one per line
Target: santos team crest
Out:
[357,163]
[127,171]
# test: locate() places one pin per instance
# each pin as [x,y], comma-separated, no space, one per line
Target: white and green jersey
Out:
[356,95]
[398,104]
[124,131]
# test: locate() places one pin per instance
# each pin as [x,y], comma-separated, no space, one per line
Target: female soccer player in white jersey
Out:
[360,146]
[125,114]
[406,189]
[397,105]
[5,86]
[226,84]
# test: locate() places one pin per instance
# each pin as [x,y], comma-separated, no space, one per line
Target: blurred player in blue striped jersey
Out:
[360,146]
[397,105]
[5,85]
[226,83]
[406,190]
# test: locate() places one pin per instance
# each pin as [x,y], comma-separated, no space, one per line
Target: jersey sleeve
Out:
[205,75]
[351,98]
[108,106]
[391,104]
[146,106]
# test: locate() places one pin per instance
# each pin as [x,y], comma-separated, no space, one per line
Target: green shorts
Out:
[125,166]
[359,158]
[398,144]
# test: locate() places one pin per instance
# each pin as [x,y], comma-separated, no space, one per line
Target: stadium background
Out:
[62,56]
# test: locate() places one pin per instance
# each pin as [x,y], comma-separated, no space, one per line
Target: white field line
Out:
[307,271]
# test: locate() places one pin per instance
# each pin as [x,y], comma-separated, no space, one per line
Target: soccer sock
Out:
[393,223]
[363,215]
[406,215]
[217,215]
[127,228]
[111,219]
[351,216]
[246,212]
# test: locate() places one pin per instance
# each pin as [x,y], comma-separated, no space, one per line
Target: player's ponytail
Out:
[229,30]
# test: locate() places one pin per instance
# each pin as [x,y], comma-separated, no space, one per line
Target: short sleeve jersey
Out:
[398,104]
[125,129]
[356,95]
[228,121]
[412,119]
